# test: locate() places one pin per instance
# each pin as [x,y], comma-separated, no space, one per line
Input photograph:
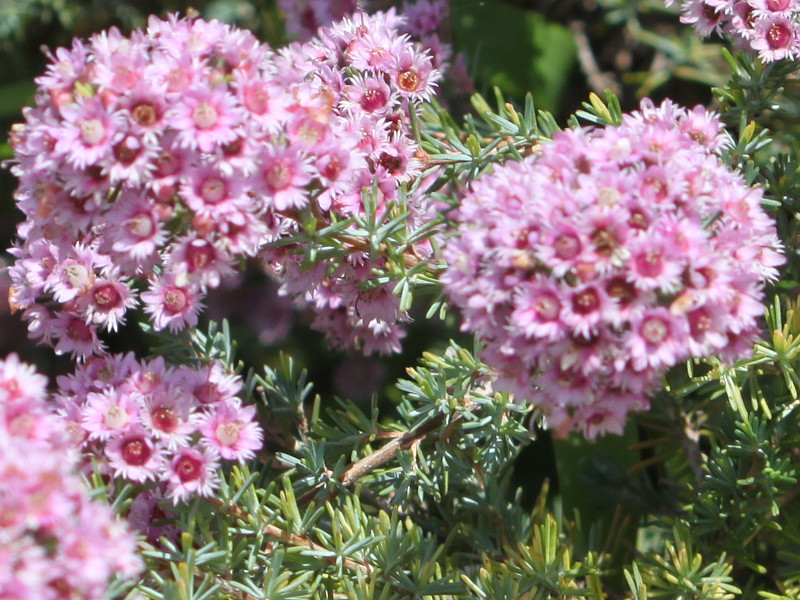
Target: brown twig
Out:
[597,80]
[291,539]
[390,450]
[369,463]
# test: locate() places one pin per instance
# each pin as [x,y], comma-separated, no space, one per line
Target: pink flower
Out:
[207,192]
[75,275]
[211,385]
[133,455]
[414,75]
[138,231]
[232,431]
[283,178]
[109,413]
[199,261]
[206,118]
[369,94]
[107,302]
[657,339]
[171,305]
[88,132]
[19,382]
[167,414]
[192,471]
[775,38]
[74,335]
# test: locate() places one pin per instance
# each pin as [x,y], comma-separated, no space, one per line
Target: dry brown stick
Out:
[597,80]
[383,455]
[286,537]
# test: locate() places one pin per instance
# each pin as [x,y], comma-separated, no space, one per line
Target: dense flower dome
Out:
[591,268]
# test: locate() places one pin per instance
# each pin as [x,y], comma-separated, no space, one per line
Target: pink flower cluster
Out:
[153,424]
[55,543]
[590,269]
[769,27]
[422,20]
[158,160]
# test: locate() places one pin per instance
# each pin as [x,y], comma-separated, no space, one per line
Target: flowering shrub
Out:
[159,169]
[55,542]
[769,27]
[611,256]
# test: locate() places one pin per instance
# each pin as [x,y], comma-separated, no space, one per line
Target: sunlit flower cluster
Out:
[769,27]
[591,268]
[151,164]
[422,20]
[55,543]
[154,424]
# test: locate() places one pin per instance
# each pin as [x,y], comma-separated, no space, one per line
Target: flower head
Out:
[588,275]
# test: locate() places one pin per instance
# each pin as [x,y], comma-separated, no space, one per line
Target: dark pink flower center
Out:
[650,263]
[127,150]
[199,255]
[657,186]
[638,220]
[167,163]
[779,35]
[144,114]
[373,100]
[392,163]
[79,331]
[233,148]
[621,290]
[175,300]
[106,296]
[332,169]
[136,452]
[597,418]
[585,301]
[711,15]
[206,393]
[165,419]
[605,242]
[408,81]
[188,468]
[699,322]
